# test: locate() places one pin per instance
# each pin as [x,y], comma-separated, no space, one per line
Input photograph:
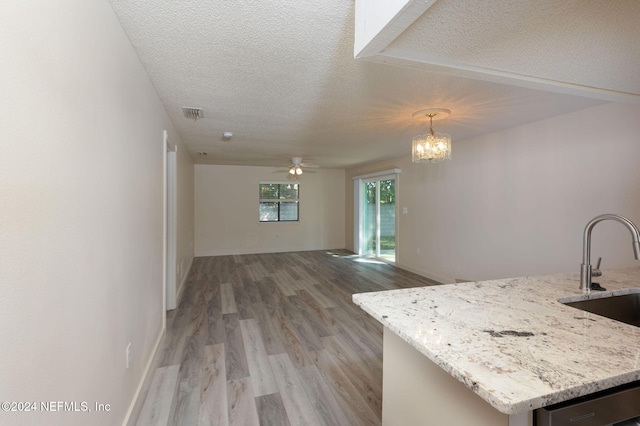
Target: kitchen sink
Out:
[624,308]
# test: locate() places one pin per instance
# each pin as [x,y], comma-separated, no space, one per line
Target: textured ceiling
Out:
[282,77]
[572,46]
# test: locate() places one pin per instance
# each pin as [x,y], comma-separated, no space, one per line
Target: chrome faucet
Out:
[585,268]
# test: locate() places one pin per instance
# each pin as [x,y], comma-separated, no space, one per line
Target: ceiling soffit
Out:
[571,47]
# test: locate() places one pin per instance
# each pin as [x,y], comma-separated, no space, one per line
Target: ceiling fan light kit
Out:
[431,147]
[295,169]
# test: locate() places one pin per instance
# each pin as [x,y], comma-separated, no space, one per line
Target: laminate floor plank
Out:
[299,407]
[251,289]
[306,274]
[183,316]
[257,271]
[259,368]
[235,355]
[242,300]
[211,285]
[228,299]
[369,383]
[292,272]
[272,339]
[271,410]
[327,407]
[319,323]
[173,348]
[354,404]
[360,341]
[198,322]
[304,330]
[157,406]
[272,262]
[320,298]
[298,258]
[336,290]
[292,343]
[186,406]
[272,336]
[215,321]
[241,403]
[313,307]
[361,321]
[269,294]
[239,275]
[284,283]
[213,388]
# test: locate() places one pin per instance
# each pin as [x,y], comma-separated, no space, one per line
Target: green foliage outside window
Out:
[279,202]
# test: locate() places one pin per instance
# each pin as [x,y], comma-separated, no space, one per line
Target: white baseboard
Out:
[231,252]
[433,277]
[146,379]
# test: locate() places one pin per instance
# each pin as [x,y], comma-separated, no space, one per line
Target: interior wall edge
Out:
[182,286]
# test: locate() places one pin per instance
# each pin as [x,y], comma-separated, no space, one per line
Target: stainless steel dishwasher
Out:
[619,406]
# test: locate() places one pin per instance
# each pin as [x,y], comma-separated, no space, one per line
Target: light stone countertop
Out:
[511,341]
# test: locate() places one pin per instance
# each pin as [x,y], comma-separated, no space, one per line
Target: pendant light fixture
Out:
[432,146]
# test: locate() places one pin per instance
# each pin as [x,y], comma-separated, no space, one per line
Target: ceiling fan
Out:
[295,169]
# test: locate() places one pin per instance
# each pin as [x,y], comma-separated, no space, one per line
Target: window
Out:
[279,202]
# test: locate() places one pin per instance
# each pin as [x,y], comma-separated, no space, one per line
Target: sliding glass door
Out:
[370,227]
[378,217]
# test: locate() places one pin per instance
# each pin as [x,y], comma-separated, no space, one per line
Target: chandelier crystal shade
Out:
[431,147]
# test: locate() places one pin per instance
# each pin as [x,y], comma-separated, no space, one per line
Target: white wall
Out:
[516,202]
[226,211]
[81,215]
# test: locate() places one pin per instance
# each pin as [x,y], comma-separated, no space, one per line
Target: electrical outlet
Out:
[128,354]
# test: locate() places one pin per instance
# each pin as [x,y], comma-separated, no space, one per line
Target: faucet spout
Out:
[585,268]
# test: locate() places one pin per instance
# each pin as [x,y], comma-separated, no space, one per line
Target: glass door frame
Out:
[359,210]
[365,223]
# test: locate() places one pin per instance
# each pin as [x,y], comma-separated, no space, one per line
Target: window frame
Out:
[279,201]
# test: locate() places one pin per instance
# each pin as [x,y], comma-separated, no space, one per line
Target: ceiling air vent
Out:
[192,113]
[202,153]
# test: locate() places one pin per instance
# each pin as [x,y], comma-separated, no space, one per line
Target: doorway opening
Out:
[170,223]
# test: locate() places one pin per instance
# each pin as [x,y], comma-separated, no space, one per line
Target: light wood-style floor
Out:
[273,339]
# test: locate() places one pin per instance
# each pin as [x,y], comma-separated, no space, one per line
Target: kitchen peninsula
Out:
[491,352]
